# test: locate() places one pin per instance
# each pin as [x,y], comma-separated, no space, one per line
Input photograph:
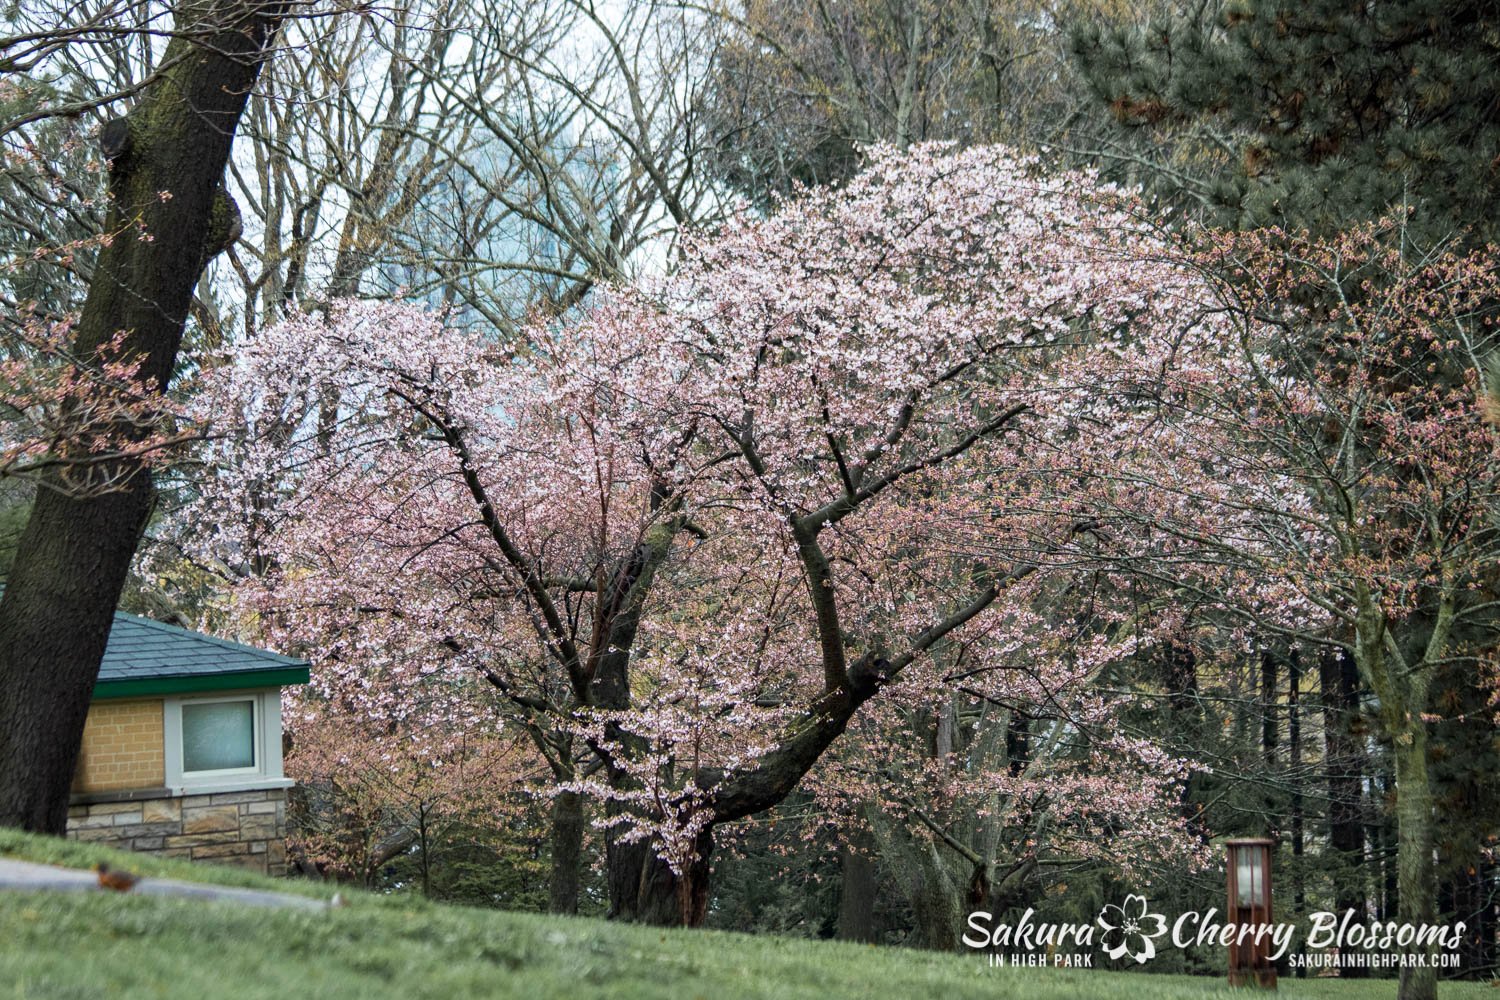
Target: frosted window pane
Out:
[1248,877]
[217,736]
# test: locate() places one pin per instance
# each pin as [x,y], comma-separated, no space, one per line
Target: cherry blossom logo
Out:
[1131,929]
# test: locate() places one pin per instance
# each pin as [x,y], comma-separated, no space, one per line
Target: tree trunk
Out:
[1403,692]
[1344,760]
[1181,675]
[1268,707]
[567,852]
[1414,864]
[1294,776]
[936,902]
[644,889]
[1390,840]
[75,552]
[858,885]
[426,848]
[935,893]
[46,680]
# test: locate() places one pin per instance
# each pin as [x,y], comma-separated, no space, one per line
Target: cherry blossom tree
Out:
[688,536]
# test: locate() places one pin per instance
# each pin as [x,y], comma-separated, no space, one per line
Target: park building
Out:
[181,753]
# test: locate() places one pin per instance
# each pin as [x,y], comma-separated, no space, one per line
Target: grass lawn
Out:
[61,946]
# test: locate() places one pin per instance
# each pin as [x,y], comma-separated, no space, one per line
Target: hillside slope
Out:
[67,945]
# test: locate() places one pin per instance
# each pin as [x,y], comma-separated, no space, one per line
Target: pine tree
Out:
[1331,112]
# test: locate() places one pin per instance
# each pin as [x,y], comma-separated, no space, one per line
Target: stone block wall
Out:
[246,829]
[122,747]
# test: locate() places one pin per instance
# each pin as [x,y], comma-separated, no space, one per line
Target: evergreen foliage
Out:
[1333,112]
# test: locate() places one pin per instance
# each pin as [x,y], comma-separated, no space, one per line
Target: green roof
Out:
[146,657]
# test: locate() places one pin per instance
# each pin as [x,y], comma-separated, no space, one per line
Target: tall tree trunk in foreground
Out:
[168,156]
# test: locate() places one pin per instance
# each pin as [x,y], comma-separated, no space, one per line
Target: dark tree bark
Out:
[1180,674]
[1018,743]
[1294,775]
[859,883]
[567,852]
[1268,707]
[1390,843]
[1182,678]
[424,843]
[1343,758]
[1344,761]
[1272,805]
[643,888]
[639,889]
[75,553]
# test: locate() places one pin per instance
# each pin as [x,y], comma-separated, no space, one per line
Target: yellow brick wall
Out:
[122,747]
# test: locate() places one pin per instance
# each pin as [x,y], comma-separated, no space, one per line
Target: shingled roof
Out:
[146,657]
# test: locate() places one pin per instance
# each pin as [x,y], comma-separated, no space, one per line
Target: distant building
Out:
[181,753]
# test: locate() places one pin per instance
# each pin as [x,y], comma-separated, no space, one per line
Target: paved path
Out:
[28,876]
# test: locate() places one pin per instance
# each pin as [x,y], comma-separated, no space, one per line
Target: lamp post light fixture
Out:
[1250,904]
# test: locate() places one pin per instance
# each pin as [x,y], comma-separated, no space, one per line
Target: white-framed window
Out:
[223,741]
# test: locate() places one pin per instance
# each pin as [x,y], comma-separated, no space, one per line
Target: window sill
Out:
[245,784]
[248,783]
[121,795]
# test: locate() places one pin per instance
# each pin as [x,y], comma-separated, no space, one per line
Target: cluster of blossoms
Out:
[87,423]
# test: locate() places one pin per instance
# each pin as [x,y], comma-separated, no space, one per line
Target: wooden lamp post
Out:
[1250,904]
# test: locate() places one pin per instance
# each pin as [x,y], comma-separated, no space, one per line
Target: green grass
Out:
[61,946]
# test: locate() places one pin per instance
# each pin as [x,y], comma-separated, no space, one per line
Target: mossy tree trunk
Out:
[1403,688]
[936,900]
[1415,875]
[169,215]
